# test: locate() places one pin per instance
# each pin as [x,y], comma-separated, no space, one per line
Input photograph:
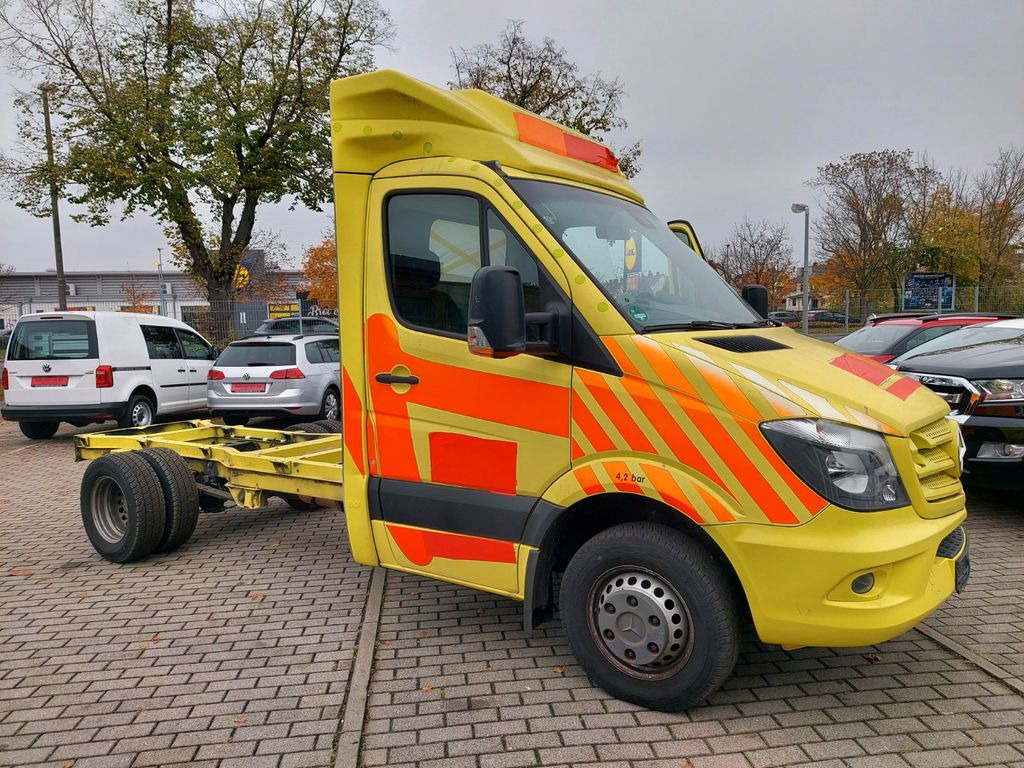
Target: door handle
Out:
[181,370]
[192,370]
[390,378]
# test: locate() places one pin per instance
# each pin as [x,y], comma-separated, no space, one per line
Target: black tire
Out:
[39,430]
[331,426]
[122,507]
[330,406]
[299,503]
[181,497]
[314,427]
[235,419]
[684,641]
[141,412]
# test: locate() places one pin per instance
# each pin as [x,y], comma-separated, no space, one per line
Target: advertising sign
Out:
[929,290]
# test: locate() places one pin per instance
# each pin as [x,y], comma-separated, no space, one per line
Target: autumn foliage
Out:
[320,271]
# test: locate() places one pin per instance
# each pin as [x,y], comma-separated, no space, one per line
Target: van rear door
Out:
[52,361]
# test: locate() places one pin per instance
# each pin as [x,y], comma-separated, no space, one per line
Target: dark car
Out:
[294,326]
[984,386]
[784,316]
[888,336]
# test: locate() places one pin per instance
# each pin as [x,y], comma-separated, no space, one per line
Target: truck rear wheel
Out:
[122,507]
[331,426]
[181,497]
[39,430]
[650,616]
[313,427]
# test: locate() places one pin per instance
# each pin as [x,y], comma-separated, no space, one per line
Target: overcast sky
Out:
[737,103]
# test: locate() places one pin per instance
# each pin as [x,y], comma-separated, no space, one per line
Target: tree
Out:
[320,272]
[196,112]
[1000,208]
[863,218]
[540,78]
[7,297]
[138,299]
[757,252]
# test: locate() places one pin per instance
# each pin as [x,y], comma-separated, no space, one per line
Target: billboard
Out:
[929,290]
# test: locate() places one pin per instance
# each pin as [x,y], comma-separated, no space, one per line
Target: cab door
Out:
[461,446]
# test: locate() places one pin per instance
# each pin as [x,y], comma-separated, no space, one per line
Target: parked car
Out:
[888,336]
[291,326]
[90,367]
[968,336]
[984,386]
[293,375]
[784,317]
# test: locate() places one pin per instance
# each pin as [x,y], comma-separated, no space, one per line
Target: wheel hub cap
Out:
[641,621]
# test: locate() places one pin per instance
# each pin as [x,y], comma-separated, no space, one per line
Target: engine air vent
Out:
[743,343]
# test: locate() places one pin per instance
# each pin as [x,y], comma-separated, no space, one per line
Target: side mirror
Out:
[757,297]
[497,313]
[214,352]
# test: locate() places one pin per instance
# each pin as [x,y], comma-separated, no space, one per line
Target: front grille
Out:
[935,451]
[950,546]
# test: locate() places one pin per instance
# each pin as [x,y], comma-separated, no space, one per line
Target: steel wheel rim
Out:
[331,406]
[142,414]
[109,510]
[640,623]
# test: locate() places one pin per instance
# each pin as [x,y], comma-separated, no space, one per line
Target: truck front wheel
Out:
[650,616]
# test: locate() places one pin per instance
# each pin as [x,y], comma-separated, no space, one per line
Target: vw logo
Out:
[245,376]
[47,368]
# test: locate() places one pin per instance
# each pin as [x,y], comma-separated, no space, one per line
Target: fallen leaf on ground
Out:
[383,642]
[424,633]
[560,671]
[240,720]
[427,688]
[20,572]
[872,657]
[257,596]
[479,611]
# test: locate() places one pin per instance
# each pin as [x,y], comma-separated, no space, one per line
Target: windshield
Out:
[648,272]
[965,337]
[875,339]
[54,340]
[253,355]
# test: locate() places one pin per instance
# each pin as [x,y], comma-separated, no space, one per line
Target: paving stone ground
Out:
[237,650]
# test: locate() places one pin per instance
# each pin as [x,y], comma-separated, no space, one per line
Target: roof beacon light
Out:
[545,135]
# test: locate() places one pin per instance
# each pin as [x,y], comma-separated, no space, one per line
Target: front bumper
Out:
[993,472]
[85,414]
[797,580]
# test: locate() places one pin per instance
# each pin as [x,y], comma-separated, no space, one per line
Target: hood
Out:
[998,360]
[785,374]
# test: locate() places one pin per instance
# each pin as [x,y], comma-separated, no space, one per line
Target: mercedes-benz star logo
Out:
[627,625]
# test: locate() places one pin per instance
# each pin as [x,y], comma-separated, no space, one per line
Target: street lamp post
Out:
[160,277]
[806,211]
[58,251]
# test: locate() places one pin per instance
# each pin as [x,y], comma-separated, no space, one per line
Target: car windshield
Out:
[650,275]
[254,355]
[876,339]
[53,340]
[965,337]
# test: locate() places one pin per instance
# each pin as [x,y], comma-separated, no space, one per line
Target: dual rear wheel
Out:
[137,503]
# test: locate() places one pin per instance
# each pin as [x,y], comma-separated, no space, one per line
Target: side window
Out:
[930,333]
[291,325]
[331,349]
[504,248]
[314,352]
[161,342]
[194,347]
[433,252]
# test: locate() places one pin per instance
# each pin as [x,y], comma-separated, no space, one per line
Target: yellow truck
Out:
[549,395]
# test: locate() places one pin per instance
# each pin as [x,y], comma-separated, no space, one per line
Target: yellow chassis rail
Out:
[249,464]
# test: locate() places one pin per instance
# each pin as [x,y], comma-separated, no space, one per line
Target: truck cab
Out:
[548,394]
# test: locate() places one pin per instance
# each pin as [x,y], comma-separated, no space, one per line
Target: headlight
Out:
[1001,389]
[849,466]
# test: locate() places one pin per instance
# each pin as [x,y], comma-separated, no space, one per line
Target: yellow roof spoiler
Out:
[383,117]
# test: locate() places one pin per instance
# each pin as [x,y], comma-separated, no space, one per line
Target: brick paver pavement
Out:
[237,649]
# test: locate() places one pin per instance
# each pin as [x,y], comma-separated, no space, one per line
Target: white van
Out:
[89,367]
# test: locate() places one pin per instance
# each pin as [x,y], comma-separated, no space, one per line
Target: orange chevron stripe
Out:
[577,451]
[590,427]
[664,366]
[620,474]
[670,492]
[727,391]
[587,478]
[717,508]
[624,422]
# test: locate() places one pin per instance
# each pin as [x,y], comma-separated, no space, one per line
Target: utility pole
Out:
[806,211]
[160,273]
[58,253]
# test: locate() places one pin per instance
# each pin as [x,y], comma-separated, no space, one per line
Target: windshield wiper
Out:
[697,325]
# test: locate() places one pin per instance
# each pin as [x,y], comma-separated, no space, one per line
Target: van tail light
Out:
[214,375]
[104,377]
[5,380]
[287,373]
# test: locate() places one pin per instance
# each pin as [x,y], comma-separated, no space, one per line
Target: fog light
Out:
[863,583]
[1001,451]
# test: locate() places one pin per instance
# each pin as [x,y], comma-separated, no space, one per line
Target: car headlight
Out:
[849,466]
[1001,389]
